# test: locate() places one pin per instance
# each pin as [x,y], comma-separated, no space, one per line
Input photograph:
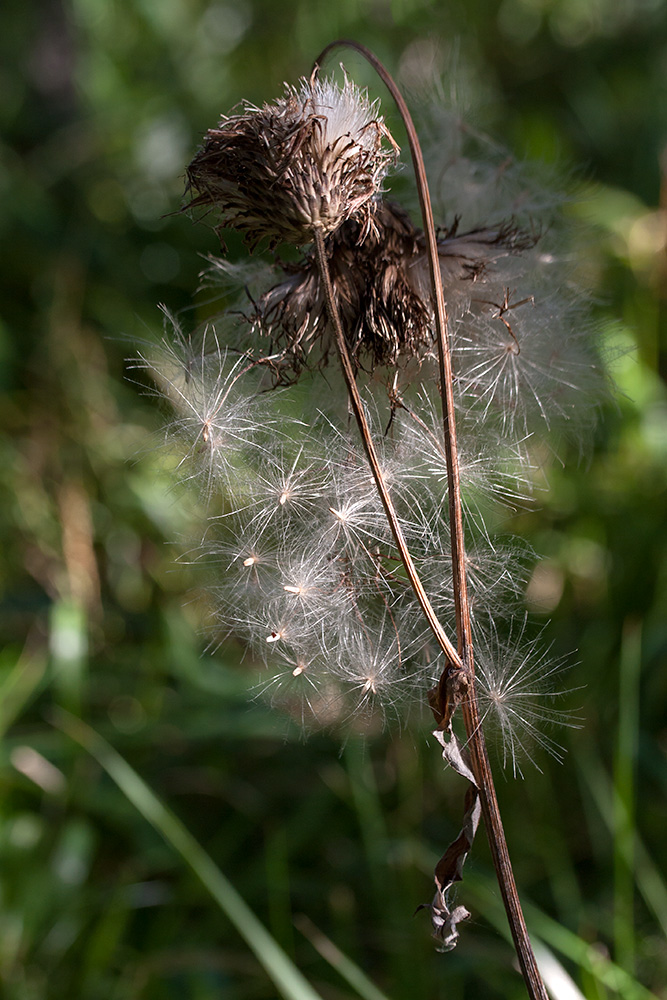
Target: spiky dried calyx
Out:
[381,284]
[311,160]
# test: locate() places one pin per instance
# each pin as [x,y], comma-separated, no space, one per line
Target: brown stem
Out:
[373,461]
[444,357]
[470,710]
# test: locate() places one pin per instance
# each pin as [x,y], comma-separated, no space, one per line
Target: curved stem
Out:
[373,461]
[470,710]
[444,355]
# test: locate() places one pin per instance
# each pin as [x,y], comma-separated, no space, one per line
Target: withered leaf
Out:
[449,868]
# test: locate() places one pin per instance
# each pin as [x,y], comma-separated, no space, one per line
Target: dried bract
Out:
[311,160]
[382,287]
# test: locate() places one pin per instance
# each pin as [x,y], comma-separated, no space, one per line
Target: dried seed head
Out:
[384,312]
[311,160]
[382,286]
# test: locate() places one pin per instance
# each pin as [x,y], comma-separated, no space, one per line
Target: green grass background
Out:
[141,787]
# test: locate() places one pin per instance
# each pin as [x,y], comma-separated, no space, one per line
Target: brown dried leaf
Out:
[444,699]
[449,868]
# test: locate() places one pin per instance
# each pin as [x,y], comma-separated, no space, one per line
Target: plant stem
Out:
[470,710]
[373,460]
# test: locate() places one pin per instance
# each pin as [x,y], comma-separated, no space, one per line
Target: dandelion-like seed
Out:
[355,525]
[518,695]
[369,667]
[218,420]
[285,490]
[527,361]
[310,161]
[300,685]
[492,471]
[311,593]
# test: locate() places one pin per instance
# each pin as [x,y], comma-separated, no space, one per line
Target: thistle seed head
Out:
[382,287]
[308,571]
[311,160]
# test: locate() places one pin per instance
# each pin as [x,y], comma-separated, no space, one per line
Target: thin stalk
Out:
[470,710]
[459,581]
[373,460]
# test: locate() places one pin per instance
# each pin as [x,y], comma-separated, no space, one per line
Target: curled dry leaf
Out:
[452,689]
[449,868]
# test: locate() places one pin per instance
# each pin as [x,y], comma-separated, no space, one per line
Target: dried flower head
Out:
[382,287]
[311,160]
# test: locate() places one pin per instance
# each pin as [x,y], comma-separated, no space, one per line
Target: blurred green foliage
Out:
[103,103]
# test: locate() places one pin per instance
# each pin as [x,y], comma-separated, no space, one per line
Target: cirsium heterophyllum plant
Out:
[354,420]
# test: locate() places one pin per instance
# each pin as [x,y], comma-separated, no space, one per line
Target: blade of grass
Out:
[393,904]
[625,759]
[19,685]
[557,980]
[542,927]
[650,880]
[68,642]
[343,965]
[279,910]
[367,806]
[287,978]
